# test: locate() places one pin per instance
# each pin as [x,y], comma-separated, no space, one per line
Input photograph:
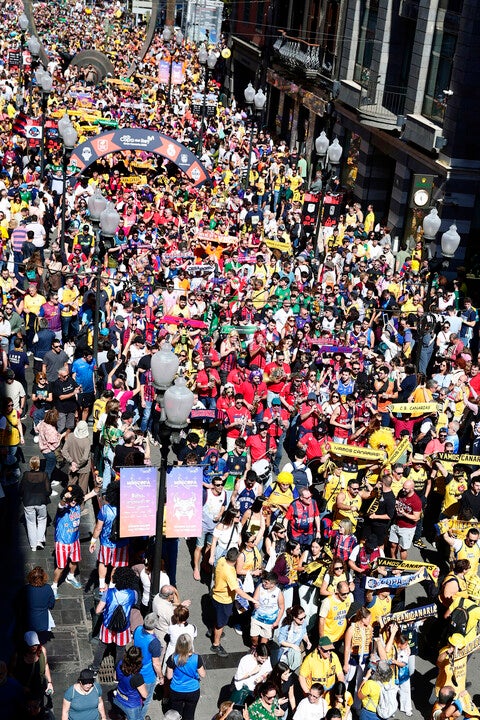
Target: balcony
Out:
[307,58]
[377,107]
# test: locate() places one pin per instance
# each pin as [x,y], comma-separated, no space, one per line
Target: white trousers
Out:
[36,520]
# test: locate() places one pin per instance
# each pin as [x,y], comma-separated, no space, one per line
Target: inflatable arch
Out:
[128,138]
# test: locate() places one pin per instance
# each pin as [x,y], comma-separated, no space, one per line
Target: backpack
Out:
[387,703]
[300,477]
[458,620]
[115,529]
[118,622]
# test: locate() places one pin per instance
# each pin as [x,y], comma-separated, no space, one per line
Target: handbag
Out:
[247,583]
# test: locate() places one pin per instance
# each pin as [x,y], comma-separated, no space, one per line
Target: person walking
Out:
[35,492]
[185,669]
[144,638]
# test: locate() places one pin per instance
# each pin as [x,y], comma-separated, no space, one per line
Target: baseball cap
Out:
[31,638]
[276,401]
[262,426]
[325,643]
[311,396]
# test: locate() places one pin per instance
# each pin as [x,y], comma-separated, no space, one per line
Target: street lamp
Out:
[176,402]
[256,101]
[46,85]
[334,153]
[321,147]
[431,226]
[69,138]
[208,62]
[168,35]
[97,204]
[34,48]
[450,242]
[23,25]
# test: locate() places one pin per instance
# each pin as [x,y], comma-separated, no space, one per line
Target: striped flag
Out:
[27,127]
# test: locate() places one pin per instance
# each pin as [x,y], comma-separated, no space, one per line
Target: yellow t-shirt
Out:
[335,613]
[69,295]
[316,669]
[381,606]
[32,304]
[225,582]
[371,689]
[469,553]
[445,672]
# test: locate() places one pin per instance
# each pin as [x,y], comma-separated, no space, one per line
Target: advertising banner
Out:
[138,501]
[184,502]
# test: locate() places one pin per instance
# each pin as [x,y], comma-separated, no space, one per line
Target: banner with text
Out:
[184,502]
[408,565]
[407,617]
[395,581]
[423,408]
[138,501]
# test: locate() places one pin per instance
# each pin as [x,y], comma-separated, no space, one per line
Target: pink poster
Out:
[138,501]
[178,76]
[163,72]
[184,502]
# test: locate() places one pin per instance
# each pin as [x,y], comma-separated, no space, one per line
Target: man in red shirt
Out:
[208,382]
[239,418]
[276,375]
[254,392]
[314,442]
[408,509]
[262,445]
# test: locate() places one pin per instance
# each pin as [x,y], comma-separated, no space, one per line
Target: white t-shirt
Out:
[307,710]
[249,665]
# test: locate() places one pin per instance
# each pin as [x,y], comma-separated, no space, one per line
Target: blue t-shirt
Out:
[107,515]
[84,372]
[18,361]
[151,648]
[126,598]
[67,524]
[185,677]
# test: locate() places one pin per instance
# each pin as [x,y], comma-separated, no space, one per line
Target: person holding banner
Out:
[467,549]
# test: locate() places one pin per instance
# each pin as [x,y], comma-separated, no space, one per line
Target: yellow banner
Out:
[89,128]
[468,649]
[401,448]
[360,453]
[146,165]
[459,527]
[276,245]
[86,114]
[407,565]
[134,180]
[451,457]
[413,407]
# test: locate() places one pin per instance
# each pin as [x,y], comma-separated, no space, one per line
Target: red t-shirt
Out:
[314,448]
[276,386]
[235,414]
[410,505]
[258,447]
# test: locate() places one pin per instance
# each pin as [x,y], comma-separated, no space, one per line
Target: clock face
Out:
[420,197]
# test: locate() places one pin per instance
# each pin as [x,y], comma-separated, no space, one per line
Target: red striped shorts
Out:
[64,552]
[116,556]
[120,639]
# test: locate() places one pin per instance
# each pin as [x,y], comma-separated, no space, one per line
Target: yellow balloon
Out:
[226,52]
[88,11]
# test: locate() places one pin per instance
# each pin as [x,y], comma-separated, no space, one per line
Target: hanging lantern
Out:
[178,403]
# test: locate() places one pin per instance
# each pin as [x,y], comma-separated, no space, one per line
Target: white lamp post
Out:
[431,224]
[321,147]
[258,100]
[178,403]
[164,366]
[450,241]
[208,61]
[334,153]
[23,22]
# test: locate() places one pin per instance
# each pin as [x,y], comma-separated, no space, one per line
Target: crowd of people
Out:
[336,386]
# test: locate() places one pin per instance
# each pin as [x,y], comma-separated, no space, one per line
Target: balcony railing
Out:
[382,108]
[310,59]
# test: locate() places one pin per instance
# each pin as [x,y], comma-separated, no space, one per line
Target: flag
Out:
[27,127]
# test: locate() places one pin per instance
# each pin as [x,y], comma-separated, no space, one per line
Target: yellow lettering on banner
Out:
[402,447]
[276,245]
[469,648]
[360,453]
[459,527]
[451,457]
[413,407]
[134,180]
[89,128]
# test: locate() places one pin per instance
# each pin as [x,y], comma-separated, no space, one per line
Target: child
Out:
[398,654]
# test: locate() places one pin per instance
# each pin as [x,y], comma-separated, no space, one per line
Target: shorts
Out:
[66,421]
[402,536]
[86,399]
[121,639]
[262,629]
[64,552]
[223,613]
[204,539]
[114,556]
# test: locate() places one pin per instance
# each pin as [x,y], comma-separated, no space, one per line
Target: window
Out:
[366,42]
[443,52]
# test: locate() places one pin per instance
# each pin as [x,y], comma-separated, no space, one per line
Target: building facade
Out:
[397,81]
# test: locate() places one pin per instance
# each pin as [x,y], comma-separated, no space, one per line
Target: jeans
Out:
[70,327]
[151,689]
[131,713]
[38,415]
[50,464]
[147,411]
[209,402]
[107,469]
[36,521]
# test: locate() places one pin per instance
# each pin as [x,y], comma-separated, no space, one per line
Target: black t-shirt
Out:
[136,680]
[42,391]
[471,502]
[386,506]
[127,456]
[64,387]
[145,363]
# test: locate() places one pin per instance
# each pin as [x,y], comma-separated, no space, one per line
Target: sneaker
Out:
[219,650]
[420,544]
[35,439]
[33,549]
[238,630]
[74,583]
[53,493]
